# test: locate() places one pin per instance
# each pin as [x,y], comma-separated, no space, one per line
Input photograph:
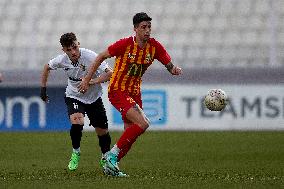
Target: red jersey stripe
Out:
[126,77]
[119,67]
[134,79]
[141,60]
[123,69]
[114,75]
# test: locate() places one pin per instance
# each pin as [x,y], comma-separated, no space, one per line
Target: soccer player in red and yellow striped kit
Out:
[133,56]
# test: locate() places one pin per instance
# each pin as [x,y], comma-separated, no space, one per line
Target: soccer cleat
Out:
[109,172]
[106,170]
[74,161]
[121,174]
[102,162]
[111,162]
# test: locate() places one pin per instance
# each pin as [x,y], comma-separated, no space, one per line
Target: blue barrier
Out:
[21,109]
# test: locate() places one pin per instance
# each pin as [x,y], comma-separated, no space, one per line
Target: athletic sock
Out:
[115,150]
[124,151]
[104,142]
[77,150]
[76,135]
[128,137]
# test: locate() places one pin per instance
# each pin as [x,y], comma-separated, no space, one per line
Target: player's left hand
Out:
[83,86]
[176,70]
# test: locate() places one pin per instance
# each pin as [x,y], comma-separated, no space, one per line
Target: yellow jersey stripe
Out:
[119,70]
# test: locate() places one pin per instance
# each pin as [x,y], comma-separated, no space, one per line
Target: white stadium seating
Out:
[197,33]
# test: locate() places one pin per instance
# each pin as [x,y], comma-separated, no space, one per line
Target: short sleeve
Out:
[88,55]
[56,62]
[118,48]
[103,66]
[161,53]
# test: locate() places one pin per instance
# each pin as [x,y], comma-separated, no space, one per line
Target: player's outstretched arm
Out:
[84,85]
[173,69]
[44,78]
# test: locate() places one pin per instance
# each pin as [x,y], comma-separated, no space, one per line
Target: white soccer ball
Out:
[216,100]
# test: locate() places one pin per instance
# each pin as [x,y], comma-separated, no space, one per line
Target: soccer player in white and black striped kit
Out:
[75,62]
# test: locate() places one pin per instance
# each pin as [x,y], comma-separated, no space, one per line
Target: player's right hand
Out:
[43,94]
[176,70]
[83,86]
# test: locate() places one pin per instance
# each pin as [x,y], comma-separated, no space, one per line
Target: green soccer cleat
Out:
[102,162]
[74,161]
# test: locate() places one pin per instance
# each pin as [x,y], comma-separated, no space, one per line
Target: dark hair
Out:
[140,17]
[67,39]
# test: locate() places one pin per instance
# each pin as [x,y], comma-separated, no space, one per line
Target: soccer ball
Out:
[216,100]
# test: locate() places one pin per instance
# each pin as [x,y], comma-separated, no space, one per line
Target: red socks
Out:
[128,137]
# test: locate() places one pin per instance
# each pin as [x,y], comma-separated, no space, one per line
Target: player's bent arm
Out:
[103,77]
[44,75]
[96,63]
[94,66]
[173,69]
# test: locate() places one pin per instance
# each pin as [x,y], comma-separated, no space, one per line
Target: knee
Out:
[101,132]
[77,118]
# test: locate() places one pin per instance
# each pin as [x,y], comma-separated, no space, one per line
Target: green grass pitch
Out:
[157,160]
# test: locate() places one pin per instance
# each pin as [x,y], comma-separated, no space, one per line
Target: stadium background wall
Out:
[256,101]
[229,44]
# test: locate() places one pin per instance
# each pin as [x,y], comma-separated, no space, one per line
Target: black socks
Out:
[104,142]
[76,135]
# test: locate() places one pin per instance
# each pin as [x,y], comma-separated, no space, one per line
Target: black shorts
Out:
[96,111]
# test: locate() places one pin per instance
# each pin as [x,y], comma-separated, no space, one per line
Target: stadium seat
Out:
[196,32]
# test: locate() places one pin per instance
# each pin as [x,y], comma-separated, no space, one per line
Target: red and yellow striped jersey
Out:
[131,62]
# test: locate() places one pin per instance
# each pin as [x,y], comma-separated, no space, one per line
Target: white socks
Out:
[77,150]
[115,150]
